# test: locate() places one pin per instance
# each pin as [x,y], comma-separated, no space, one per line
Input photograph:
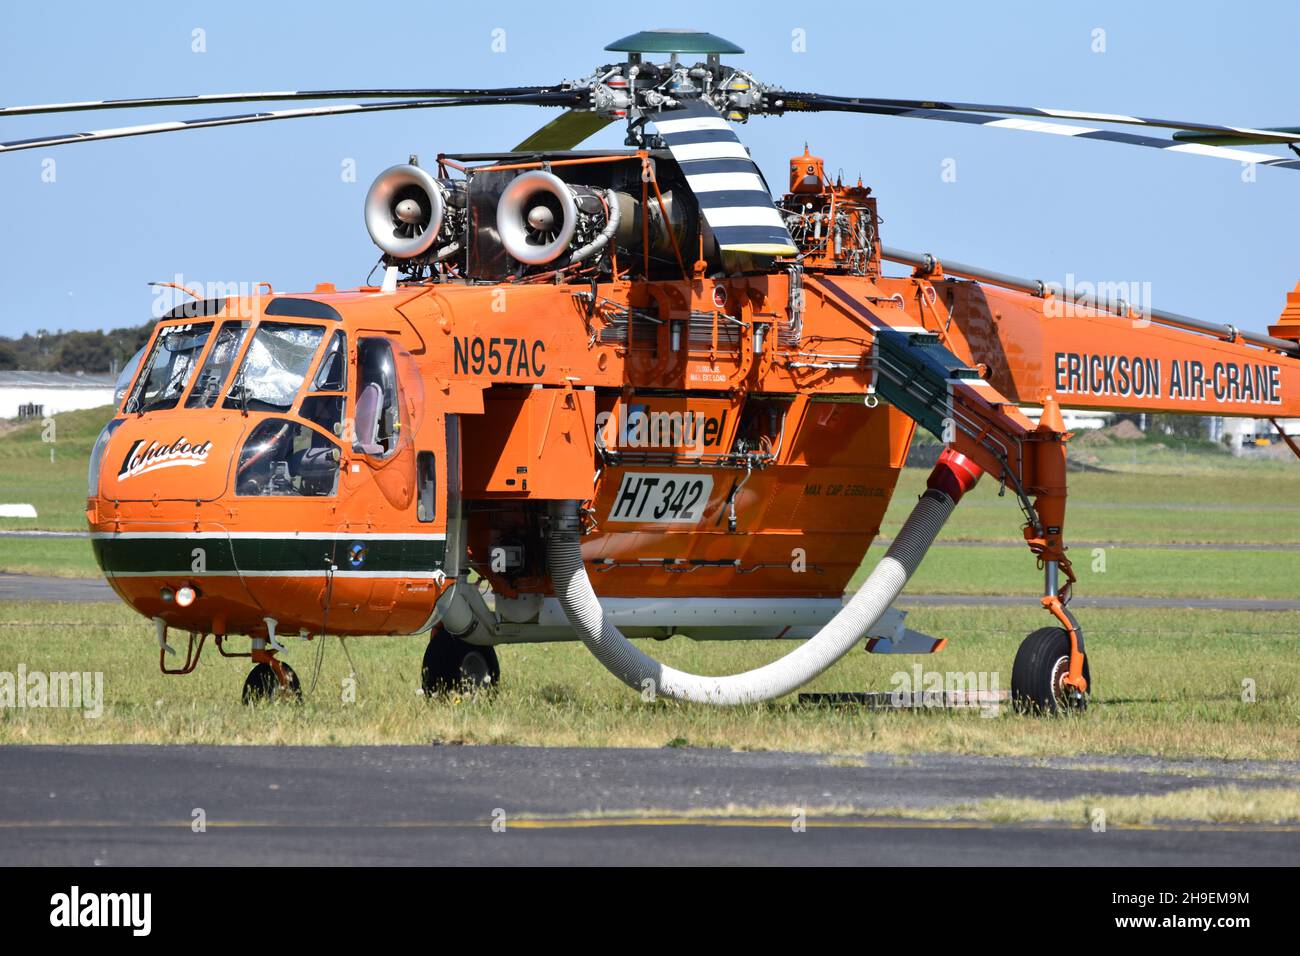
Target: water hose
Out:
[952,477]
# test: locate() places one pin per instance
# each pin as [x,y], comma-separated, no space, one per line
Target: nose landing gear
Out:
[271,681]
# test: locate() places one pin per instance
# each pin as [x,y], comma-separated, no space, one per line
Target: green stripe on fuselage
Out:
[221,555]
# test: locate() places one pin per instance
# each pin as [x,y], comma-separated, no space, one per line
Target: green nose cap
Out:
[673,41]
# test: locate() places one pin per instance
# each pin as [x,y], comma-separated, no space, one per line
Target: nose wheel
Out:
[451,664]
[263,685]
[1038,676]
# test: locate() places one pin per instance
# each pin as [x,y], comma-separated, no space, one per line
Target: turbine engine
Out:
[412,215]
[540,217]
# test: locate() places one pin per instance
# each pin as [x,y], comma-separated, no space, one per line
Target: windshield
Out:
[274,367]
[225,349]
[128,375]
[175,352]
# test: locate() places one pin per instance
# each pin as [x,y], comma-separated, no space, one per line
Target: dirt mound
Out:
[1124,431]
[1091,438]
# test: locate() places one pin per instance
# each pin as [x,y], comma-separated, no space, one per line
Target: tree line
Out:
[61,351]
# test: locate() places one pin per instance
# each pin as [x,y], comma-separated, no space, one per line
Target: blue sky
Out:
[268,202]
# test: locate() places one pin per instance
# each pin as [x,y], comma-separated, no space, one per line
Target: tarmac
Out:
[432,805]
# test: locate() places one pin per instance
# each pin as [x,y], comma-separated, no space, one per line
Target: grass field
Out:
[47,468]
[1222,805]
[1216,499]
[1167,683]
[61,557]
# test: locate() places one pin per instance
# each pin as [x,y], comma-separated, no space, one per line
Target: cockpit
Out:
[262,448]
[291,377]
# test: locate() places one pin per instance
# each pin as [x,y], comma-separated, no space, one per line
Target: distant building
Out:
[1076,419]
[37,394]
[1249,433]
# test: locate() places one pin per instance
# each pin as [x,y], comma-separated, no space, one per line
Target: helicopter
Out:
[616,394]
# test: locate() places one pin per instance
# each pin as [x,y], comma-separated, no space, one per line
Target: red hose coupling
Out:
[954,474]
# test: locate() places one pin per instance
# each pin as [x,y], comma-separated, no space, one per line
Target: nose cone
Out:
[181,456]
[409,211]
[541,218]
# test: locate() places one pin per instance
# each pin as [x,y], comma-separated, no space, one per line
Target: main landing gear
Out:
[451,664]
[1039,673]
[1051,674]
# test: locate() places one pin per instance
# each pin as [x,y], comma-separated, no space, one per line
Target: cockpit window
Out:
[332,376]
[225,349]
[325,411]
[274,367]
[283,457]
[377,412]
[176,350]
[126,377]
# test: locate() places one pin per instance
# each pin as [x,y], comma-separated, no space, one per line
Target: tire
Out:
[261,686]
[451,664]
[1036,674]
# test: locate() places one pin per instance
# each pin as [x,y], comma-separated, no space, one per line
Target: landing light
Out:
[185,596]
[168,595]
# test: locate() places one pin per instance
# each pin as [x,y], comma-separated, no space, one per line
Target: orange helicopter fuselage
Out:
[329,462]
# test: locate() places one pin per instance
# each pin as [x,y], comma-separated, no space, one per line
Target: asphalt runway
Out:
[134,805]
[31,587]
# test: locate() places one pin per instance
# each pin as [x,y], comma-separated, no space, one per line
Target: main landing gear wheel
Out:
[262,685]
[1037,676]
[451,664]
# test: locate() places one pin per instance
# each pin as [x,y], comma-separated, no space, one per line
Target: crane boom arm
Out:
[1119,357]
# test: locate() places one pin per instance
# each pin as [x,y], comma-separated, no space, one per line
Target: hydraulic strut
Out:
[916,372]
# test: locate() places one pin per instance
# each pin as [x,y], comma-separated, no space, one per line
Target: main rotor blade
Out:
[1242,134]
[798,103]
[1227,139]
[565,131]
[571,98]
[725,181]
[206,98]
